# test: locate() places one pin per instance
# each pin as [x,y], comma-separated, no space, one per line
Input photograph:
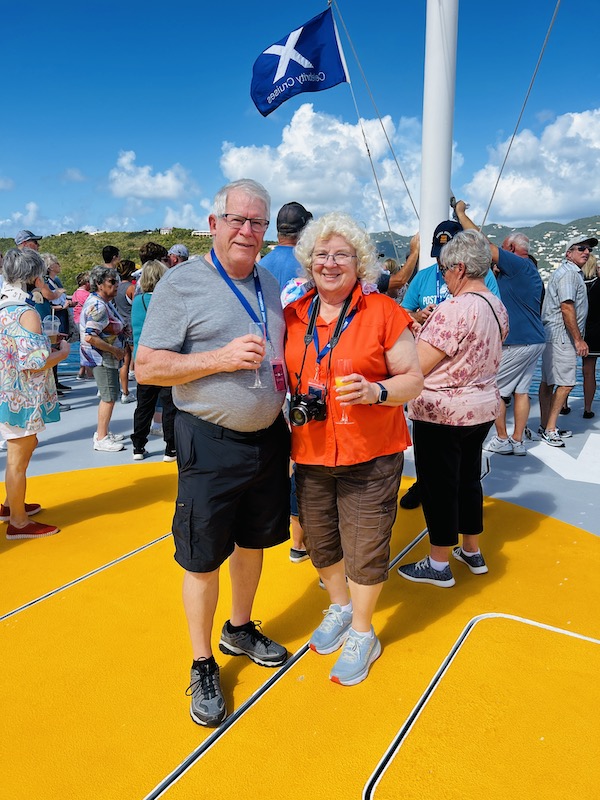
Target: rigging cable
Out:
[533,77]
[365,137]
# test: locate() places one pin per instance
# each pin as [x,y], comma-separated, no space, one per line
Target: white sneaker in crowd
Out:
[116,437]
[128,398]
[107,445]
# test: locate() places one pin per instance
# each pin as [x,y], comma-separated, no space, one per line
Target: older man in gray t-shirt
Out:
[231,439]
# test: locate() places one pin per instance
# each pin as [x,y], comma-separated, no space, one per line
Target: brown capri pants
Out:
[348,513]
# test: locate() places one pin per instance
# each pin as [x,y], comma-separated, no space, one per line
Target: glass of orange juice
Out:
[343,368]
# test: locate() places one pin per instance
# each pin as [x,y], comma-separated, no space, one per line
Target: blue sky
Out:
[130,115]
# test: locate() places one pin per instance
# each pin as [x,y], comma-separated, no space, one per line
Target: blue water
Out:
[70,366]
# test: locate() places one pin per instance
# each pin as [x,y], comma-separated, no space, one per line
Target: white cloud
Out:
[322,163]
[32,219]
[129,180]
[116,222]
[6,184]
[554,176]
[73,175]
[186,216]
[28,217]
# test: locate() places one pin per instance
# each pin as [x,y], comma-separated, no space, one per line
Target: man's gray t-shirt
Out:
[193,310]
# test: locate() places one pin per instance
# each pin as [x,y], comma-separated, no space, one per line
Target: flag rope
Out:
[364,77]
[514,134]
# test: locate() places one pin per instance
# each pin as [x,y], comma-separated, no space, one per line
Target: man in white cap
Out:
[27,239]
[564,313]
[178,254]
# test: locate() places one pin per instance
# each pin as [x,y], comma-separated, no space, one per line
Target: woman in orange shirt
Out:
[352,363]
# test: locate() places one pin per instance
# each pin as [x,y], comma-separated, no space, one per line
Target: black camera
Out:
[304,407]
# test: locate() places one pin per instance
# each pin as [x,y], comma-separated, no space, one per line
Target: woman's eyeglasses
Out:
[112,280]
[338,258]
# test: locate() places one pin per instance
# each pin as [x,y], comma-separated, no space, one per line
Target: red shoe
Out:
[30,510]
[33,530]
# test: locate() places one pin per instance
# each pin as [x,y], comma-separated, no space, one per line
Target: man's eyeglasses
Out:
[583,247]
[338,258]
[236,222]
[444,269]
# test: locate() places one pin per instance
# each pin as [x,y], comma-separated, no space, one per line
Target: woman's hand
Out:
[357,390]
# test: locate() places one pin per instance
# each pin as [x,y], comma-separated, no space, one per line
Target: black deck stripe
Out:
[399,738]
[406,727]
[408,548]
[82,578]
[196,754]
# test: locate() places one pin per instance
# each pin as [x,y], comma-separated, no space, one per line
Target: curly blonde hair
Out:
[336,223]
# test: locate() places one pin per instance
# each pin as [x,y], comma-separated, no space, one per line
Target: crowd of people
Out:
[303,365]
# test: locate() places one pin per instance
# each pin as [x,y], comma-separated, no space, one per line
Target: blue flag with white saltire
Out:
[309,59]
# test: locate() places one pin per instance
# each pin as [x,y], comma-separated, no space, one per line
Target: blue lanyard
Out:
[257,287]
[438,286]
[322,353]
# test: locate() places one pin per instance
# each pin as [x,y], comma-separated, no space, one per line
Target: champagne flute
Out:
[343,368]
[258,329]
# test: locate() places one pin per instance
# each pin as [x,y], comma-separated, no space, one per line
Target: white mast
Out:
[438,117]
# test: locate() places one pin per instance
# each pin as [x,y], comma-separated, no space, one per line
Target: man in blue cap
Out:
[26,239]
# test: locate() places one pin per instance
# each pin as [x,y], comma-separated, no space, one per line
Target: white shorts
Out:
[517,366]
[14,432]
[559,364]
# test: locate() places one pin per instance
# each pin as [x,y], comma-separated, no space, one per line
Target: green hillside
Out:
[81,251]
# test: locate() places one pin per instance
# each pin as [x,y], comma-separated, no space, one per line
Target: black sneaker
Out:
[298,556]
[412,499]
[208,704]
[250,641]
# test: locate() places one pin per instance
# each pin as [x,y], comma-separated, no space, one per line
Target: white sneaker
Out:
[498,445]
[128,398]
[139,455]
[116,437]
[107,445]
[156,430]
[518,448]
[131,376]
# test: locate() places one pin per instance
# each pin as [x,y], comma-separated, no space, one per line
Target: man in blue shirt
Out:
[281,261]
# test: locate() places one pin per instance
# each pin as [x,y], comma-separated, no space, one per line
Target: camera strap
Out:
[311,332]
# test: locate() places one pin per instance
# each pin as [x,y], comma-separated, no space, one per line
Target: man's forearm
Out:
[166,368]
[570,320]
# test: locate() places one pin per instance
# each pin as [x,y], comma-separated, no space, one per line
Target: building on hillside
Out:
[202,234]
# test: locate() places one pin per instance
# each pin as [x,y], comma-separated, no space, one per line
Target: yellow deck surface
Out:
[92,690]
[524,728]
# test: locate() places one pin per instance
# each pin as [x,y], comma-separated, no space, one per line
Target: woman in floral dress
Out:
[27,390]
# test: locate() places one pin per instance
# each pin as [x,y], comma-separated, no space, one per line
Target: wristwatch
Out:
[383,394]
